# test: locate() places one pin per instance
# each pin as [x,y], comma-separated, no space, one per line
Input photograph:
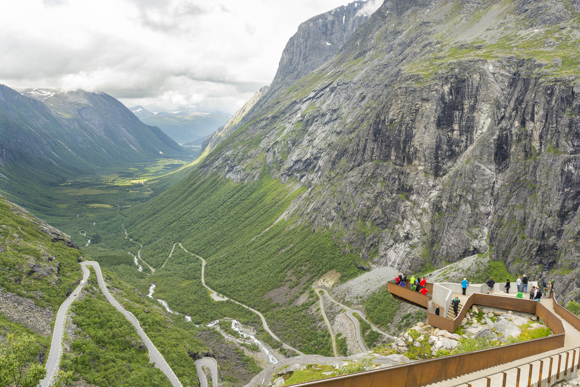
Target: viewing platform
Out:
[539,362]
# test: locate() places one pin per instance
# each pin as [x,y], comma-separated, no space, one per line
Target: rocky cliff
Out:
[441,130]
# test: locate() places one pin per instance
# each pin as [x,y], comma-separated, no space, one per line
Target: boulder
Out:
[518,320]
[486,333]
[507,329]
[447,335]
[279,382]
[399,345]
[391,360]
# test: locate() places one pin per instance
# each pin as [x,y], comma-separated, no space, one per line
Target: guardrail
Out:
[426,372]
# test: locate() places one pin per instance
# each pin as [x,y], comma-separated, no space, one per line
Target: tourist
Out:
[412,281]
[403,282]
[417,285]
[549,289]
[464,285]
[519,284]
[424,291]
[455,302]
[398,280]
[520,295]
[423,282]
[507,285]
[532,292]
[552,283]
[490,283]
[437,310]
[525,284]
[538,294]
[413,286]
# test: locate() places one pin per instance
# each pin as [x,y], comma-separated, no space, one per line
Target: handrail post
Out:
[559,364]
[504,379]
[530,375]
[488,382]
[540,376]
[518,377]
[573,360]
[566,366]
[550,370]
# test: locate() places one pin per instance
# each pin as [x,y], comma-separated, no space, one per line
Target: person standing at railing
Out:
[490,283]
[423,282]
[519,284]
[464,285]
[424,291]
[524,284]
[507,285]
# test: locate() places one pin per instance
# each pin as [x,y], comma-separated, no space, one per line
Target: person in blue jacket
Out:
[464,285]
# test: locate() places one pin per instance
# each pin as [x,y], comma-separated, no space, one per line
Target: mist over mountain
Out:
[183,126]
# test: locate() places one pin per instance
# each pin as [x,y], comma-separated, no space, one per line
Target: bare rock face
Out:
[426,140]
[25,312]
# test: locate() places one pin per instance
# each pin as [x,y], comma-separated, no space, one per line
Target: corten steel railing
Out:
[549,368]
[426,372]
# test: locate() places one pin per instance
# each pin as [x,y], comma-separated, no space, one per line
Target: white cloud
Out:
[162,54]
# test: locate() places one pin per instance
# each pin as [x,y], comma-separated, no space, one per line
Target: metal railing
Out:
[549,371]
[541,378]
[425,372]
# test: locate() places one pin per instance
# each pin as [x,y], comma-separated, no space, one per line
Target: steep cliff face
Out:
[441,130]
[318,39]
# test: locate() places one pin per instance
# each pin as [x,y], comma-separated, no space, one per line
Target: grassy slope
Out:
[24,245]
[234,227]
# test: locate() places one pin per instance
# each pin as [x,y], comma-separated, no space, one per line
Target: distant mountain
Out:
[141,112]
[184,126]
[46,136]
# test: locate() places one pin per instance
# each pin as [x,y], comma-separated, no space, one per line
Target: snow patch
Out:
[328,44]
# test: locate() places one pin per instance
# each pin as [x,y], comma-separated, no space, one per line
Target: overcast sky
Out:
[163,54]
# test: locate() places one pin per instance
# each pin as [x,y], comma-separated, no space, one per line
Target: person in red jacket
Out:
[424,291]
[423,282]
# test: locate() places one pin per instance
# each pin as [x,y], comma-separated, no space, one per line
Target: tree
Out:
[16,362]
[573,307]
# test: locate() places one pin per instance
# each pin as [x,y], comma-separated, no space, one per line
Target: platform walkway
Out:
[478,379]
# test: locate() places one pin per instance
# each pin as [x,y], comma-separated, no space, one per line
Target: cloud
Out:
[167,54]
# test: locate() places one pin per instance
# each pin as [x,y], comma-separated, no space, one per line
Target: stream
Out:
[237,326]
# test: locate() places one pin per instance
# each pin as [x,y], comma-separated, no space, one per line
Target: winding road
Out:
[264,323]
[350,315]
[56,344]
[210,363]
[328,325]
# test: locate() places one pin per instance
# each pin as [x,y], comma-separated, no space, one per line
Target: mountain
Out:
[441,130]
[184,126]
[141,112]
[46,137]
[316,40]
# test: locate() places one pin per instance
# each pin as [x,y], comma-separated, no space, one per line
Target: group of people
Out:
[414,283]
[522,287]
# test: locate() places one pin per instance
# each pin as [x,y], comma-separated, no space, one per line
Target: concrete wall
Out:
[442,297]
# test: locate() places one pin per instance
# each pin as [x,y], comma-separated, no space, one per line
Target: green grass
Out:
[23,246]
